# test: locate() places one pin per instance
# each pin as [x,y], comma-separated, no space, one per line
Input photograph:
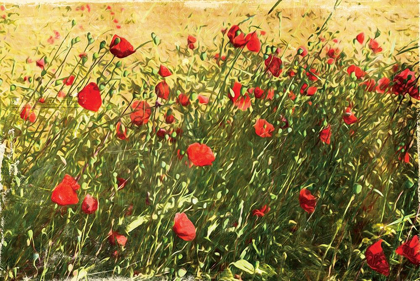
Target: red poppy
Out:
[285,123]
[243,102]
[69,80]
[90,97]
[374,46]
[82,55]
[89,204]
[40,63]
[261,212]
[410,250]
[263,128]
[183,100]
[330,61]
[311,91]
[302,51]
[169,118]
[121,132]
[41,100]
[274,65]
[270,94]
[258,93]
[114,235]
[333,53]
[28,114]
[325,135]
[292,96]
[200,155]
[360,38]
[370,85]
[307,201]
[404,82]
[203,99]
[61,94]
[291,73]
[236,37]
[50,40]
[121,183]
[183,227]
[383,85]
[191,40]
[162,90]
[65,192]
[122,48]
[164,72]
[349,117]
[236,90]
[376,258]
[254,44]
[357,71]
[311,74]
[141,113]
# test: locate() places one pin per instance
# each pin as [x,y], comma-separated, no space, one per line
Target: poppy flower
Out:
[261,212]
[333,53]
[203,99]
[83,55]
[65,192]
[236,37]
[274,65]
[121,132]
[50,40]
[28,114]
[370,85]
[191,40]
[121,183]
[330,61]
[200,155]
[376,259]
[41,100]
[356,70]
[183,100]
[304,90]
[61,94]
[254,44]
[349,117]
[183,227]
[302,51]
[270,94]
[404,82]
[383,85]
[89,204]
[312,74]
[325,135]
[161,133]
[162,90]
[90,97]
[169,118]
[164,72]
[307,201]
[115,236]
[292,96]
[40,63]
[291,73]
[141,113]
[374,46]
[410,250]
[120,47]
[360,38]
[69,80]
[243,102]
[258,93]
[236,90]
[263,128]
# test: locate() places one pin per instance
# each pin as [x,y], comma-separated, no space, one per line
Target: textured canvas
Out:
[209,140]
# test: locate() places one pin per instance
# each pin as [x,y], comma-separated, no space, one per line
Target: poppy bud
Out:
[102,45]
[117,41]
[203,56]
[118,64]
[77,39]
[73,23]
[273,49]
[125,73]
[300,51]
[267,49]
[12,87]
[265,57]
[101,87]
[43,72]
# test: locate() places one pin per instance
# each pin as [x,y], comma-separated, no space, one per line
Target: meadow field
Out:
[224,140]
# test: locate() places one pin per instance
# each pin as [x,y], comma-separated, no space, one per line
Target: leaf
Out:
[275,5]
[244,266]
[136,223]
